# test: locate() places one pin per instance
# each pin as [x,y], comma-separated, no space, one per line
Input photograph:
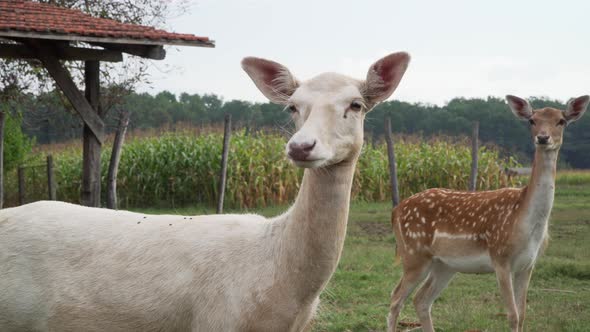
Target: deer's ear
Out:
[272,79]
[384,77]
[576,107]
[520,107]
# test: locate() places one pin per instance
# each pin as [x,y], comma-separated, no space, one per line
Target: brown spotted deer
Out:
[65,267]
[441,232]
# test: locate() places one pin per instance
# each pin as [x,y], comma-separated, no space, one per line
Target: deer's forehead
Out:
[547,113]
[327,88]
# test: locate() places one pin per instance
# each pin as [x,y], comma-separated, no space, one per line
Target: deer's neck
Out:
[538,198]
[315,228]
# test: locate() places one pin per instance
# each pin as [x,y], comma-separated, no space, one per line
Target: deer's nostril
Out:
[308,147]
[542,139]
[300,151]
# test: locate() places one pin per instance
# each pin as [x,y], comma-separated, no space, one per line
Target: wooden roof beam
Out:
[63,53]
[154,52]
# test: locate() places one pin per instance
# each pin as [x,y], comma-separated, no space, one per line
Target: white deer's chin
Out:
[309,163]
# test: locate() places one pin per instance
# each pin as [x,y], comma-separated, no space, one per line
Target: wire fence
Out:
[39,175]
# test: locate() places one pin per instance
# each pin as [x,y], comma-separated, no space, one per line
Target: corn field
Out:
[180,168]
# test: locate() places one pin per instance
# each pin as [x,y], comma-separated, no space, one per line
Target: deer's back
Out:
[65,267]
[465,230]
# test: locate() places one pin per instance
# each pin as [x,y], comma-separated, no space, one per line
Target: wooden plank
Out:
[50,179]
[224,155]
[111,40]
[46,54]
[2,122]
[154,52]
[90,195]
[392,163]
[115,158]
[21,185]
[14,51]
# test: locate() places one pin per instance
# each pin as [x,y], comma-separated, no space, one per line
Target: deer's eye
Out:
[562,122]
[532,122]
[356,106]
[292,109]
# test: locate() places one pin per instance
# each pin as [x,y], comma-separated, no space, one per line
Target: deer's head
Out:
[547,124]
[329,109]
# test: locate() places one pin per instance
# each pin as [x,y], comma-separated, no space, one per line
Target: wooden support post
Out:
[115,158]
[87,107]
[86,110]
[90,195]
[51,179]
[392,164]
[222,175]
[2,121]
[474,153]
[21,185]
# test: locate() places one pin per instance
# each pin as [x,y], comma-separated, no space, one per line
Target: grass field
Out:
[357,297]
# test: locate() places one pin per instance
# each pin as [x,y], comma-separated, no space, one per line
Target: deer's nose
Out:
[300,151]
[542,139]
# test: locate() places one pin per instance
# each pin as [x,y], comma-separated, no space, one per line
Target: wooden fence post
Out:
[21,185]
[2,121]
[222,176]
[51,179]
[392,164]
[115,158]
[474,154]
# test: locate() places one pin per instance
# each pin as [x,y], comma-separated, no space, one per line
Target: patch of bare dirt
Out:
[377,229]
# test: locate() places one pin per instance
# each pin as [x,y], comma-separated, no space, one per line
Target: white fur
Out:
[146,266]
[476,263]
[443,235]
[536,219]
[70,268]
[322,102]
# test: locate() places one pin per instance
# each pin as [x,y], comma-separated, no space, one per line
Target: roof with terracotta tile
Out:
[20,18]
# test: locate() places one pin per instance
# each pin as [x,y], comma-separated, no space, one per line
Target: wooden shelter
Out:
[31,30]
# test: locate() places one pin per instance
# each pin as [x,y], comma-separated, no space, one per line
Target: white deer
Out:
[440,232]
[65,267]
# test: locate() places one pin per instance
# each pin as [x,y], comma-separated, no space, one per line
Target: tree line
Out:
[47,118]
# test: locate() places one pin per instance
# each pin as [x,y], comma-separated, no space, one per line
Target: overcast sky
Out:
[463,48]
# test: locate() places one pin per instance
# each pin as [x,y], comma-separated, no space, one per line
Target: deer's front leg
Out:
[521,286]
[504,276]
[304,320]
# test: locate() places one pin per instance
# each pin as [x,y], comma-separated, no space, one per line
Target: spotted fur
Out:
[440,232]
